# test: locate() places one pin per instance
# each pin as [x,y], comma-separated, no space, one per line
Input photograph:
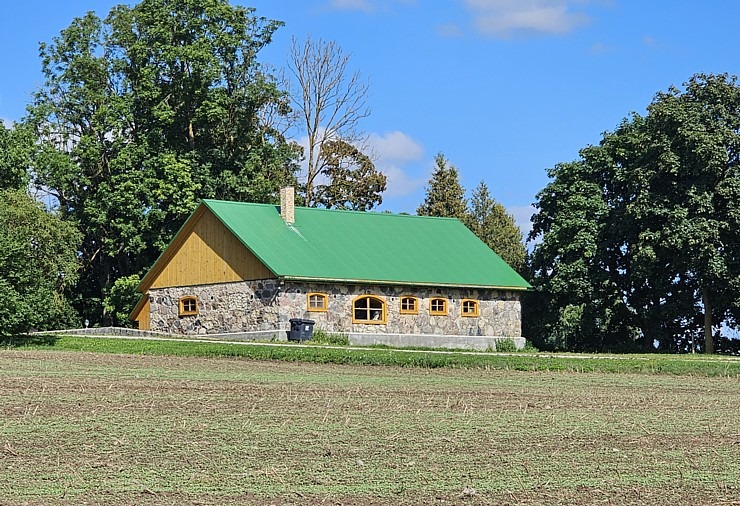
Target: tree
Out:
[16,148]
[330,102]
[353,181]
[445,195]
[38,260]
[146,112]
[493,225]
[642,232]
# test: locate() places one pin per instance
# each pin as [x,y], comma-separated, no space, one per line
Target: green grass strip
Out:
[688,365]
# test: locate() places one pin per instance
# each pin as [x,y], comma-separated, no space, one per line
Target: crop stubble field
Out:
[94,428]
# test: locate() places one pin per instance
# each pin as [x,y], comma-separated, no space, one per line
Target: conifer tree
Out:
[445,196]
[493,225]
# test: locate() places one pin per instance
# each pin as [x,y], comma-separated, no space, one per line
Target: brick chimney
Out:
[287,204]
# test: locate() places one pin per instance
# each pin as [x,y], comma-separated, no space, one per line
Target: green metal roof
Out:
[362,247]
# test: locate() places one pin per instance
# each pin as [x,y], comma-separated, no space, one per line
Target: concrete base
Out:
[481,343]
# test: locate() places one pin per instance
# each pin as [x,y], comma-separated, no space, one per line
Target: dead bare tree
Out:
[329,98]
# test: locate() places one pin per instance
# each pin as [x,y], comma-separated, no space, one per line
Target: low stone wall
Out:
[256,335]
[480,343]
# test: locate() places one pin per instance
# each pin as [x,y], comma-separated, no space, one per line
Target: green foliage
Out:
[640,236]
[505,345]
[37,262]
[353,182]
[146,112]
[16,149]
[493,225]
[120,299]
[321,337]
[445,195]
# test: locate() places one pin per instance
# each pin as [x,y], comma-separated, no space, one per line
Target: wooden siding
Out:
[143,317]
[209,253]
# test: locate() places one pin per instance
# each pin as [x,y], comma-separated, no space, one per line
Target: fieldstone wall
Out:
[222,308]
[264,305]
[499,312]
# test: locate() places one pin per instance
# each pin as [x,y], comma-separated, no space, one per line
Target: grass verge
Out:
[689,365]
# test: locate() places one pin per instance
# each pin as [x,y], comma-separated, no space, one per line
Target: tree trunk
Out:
[708,340]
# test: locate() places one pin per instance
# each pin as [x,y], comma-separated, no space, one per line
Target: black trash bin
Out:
[300,329]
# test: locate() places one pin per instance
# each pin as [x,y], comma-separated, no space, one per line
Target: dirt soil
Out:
[83,428]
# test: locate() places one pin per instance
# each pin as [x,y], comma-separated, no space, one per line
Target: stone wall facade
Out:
[499,312]
[222,308]
[270,304]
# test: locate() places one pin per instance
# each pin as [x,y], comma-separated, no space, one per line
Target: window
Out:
[368,309]
[316,302]
[188,306]
[438,307]
[469,307]
[409,305]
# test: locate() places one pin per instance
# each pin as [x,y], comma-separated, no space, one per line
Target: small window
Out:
[438,307]
[188,306]
[469,307]
[409,305]
[316,302]
[368,309]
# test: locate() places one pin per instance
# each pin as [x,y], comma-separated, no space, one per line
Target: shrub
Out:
[505,345]
[321,337]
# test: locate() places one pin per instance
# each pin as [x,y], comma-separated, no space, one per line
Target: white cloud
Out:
[6,123]
[506,18]
[393,152]
[395,146]
[399,183]
[523,218]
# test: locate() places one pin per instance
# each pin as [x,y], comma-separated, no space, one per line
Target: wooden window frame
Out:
[183,301]
[320,296]
[383,310]
[415,310]
[437,312]
[469,314]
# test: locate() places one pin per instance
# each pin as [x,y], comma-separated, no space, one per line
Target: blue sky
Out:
[504,88]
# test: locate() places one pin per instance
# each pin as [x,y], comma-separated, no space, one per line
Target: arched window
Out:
[409,305]
[368,309]
[438,307]
[188,305]
[469,307]
[316,302]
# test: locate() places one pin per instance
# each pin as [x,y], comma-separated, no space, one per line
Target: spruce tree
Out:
[445,196]
[493,225]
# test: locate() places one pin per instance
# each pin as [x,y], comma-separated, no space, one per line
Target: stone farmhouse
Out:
[380,278]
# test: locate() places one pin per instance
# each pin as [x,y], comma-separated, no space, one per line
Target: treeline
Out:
[146,112]
[639,239]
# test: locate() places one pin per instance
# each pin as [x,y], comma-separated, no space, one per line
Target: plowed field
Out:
[84,428]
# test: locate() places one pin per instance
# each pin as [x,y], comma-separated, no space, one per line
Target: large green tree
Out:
[353,182]
[639,238]
[489,220]
[146,112]
[16,149]
[38,260]
[445,196]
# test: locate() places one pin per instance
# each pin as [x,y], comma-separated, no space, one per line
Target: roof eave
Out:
[402,283]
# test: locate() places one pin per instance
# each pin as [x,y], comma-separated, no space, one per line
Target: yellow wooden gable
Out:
[203,252]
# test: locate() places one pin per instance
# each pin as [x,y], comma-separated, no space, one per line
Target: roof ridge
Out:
[325,210]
